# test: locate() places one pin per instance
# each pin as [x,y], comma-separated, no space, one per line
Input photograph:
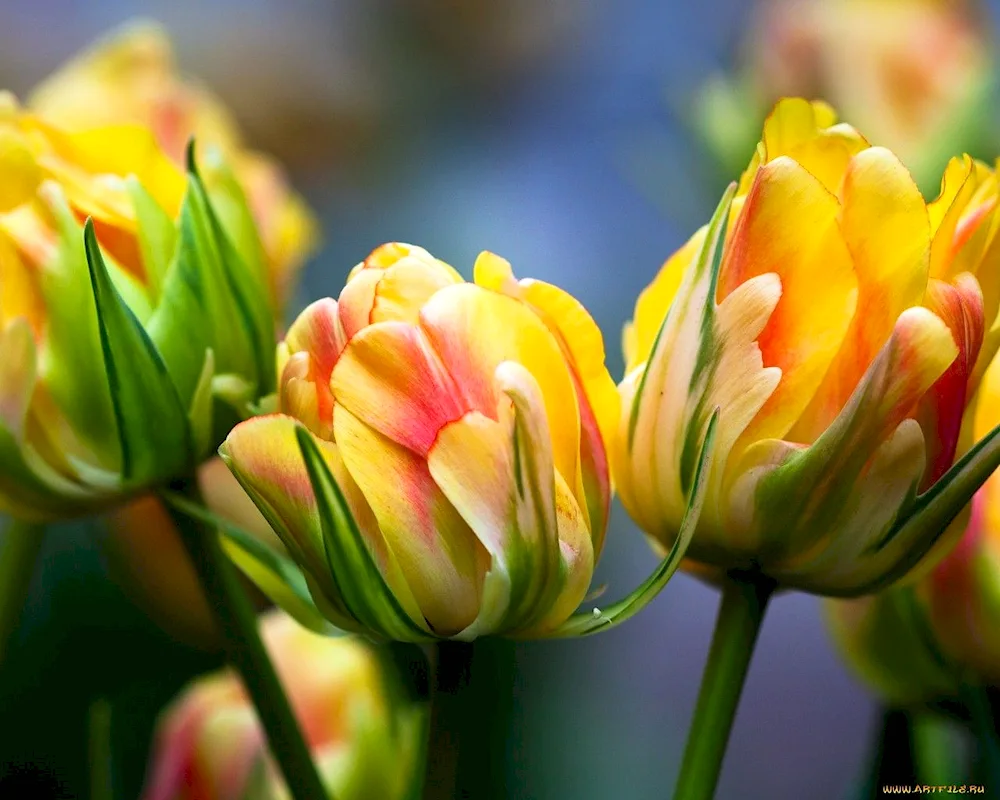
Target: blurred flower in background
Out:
[919,643]
[117,374]
[916,75]
[457,431]
[210,746]
[130,77]
[837,402]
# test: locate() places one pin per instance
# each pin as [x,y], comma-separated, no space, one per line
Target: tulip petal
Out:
[941,411]
[390,377]
[440,556]
[788,225]
[891,263]
[354,567]
[474,330]
[805,132]
[153,428]
[705,357]
[581,341]
[654,302]
[804,498]
[404,287]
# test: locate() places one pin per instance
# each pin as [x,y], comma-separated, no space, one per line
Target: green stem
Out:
[744,599]
[22,542]
[449,718]
[99,751]
[237,620]
[935,752]
[984,727]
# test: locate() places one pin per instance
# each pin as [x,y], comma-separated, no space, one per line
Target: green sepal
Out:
[356,576]
[601,619]
[153,431]
[156,234]
[211,301]
[273,572]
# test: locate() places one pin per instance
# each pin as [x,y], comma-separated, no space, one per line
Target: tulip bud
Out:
[126,358]
[915,74]
[210,745]
[439,467]
[836,322]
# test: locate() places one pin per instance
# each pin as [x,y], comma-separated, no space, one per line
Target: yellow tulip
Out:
[835,323]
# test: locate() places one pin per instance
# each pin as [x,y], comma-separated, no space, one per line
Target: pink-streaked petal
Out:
[436,550]
[960,305]
[390,377]
[475,330]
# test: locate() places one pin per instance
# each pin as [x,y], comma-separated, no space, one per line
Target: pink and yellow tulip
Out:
[113,370]
[130,78]
[834,323]
[210,745]
[438,468]
[921,642]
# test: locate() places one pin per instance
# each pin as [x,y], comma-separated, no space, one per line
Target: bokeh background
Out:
[550,133]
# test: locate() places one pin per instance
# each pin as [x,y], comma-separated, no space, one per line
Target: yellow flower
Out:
[210,746]
[439,467]
[834,322]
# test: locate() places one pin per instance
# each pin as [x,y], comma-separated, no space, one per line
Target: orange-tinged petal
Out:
[891,262]
[789,227]
[474,330]
[439,554]
[356,301]
[655,300]
[306,360]
[391,377]
[987,410]
[951,223]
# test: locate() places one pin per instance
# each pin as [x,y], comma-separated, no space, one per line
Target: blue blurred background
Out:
[547,132]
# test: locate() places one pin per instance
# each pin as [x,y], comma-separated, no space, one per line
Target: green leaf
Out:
[273,572]
[153,428]
[357,578]
[616,614]
[157,236]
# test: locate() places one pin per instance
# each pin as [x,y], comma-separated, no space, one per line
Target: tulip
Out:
[123,360]
[837,323]
[920,642]
[438,468]
[129,77]
[915,74]
[209,744]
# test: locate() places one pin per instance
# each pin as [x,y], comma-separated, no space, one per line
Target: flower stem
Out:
[237,620]
[449,715]
[19,548]
[744,599]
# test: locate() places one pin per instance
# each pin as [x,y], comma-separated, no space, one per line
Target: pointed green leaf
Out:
[157,236]
[617,613]
[153,428]
[353,569]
